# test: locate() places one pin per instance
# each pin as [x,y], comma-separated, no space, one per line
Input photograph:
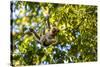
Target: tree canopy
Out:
[77,39]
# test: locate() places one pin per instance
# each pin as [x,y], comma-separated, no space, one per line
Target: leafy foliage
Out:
[77,39]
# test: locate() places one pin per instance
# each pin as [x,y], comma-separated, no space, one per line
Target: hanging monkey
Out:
[48,38]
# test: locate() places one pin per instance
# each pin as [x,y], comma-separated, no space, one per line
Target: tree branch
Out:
[38,37]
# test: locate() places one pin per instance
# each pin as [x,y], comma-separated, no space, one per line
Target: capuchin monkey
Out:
[48,38]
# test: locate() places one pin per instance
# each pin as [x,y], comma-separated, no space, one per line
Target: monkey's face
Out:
[55,31]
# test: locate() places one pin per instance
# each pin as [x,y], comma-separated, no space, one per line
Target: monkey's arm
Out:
[48,23]
[46,12]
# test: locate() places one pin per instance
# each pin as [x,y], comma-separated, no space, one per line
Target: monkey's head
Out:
[54,31]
